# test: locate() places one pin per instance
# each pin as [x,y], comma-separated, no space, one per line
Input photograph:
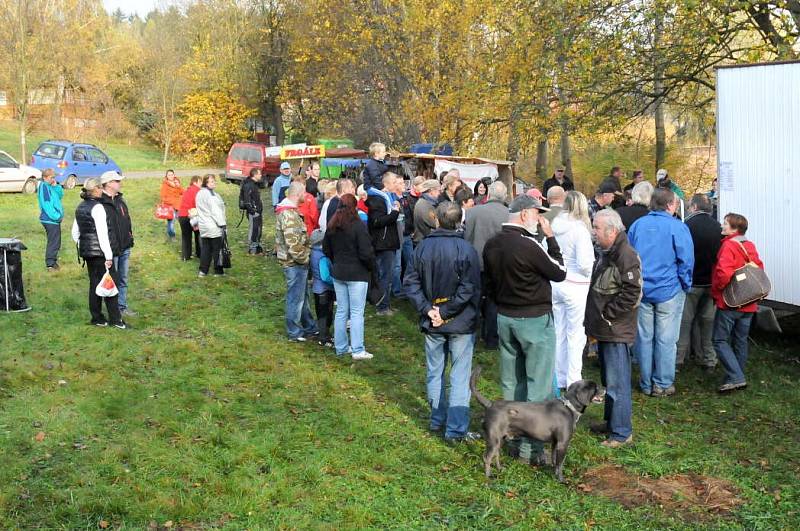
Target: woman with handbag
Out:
[212,223]
[171,192]
[737,265]
[94,233]
[348,246]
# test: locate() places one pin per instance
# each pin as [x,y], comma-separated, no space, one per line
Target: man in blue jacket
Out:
[51,213]
[667,252]
[280,184]
[444,285]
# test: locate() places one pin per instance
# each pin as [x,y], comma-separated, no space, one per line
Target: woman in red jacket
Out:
[732,325]
[186,212]
[171,192]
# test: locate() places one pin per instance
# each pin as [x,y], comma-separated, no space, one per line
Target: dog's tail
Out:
[473,386]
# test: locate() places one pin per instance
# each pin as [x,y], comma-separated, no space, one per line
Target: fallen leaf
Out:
[168,524]
[511,494]
[583,487]
[103,524]
[39,436]
[62,382]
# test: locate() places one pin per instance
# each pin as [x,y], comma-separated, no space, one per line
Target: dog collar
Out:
[572,408]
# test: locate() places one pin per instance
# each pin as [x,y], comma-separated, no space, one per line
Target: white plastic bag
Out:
[107,287]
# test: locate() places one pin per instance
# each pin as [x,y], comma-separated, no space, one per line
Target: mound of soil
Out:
[691,496]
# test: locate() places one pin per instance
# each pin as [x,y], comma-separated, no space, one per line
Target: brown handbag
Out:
[748,284]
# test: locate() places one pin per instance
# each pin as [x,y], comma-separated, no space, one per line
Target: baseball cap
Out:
[285,166]
[535,193]
[606,188]
[430,184]
[109,176]
[525,202]
[661,174]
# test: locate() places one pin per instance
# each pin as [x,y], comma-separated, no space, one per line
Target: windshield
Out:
[51,151]
[6,161]
[248,153]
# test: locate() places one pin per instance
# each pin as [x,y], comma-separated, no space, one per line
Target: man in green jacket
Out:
[51,213]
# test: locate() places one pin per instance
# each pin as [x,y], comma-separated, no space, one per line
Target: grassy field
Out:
[130,156]
[203,416]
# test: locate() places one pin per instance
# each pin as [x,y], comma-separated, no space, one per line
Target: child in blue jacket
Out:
[323,291]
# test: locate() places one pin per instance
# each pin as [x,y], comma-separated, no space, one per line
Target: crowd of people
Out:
[544,278]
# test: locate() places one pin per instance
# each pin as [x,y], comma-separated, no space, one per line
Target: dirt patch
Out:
[690,496]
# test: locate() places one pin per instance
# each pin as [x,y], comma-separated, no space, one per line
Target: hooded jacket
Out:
[373,174]
[210,213]
[279,186]
[519,271]
[51,210]
[445,272]
[291,239]
[251,197]
[171,194]
[615,293]
[575,243]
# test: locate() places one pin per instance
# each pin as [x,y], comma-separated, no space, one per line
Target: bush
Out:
[209,123]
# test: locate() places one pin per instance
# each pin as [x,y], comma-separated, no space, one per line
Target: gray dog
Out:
[552,421]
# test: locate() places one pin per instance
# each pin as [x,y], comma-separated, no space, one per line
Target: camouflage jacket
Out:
[291,240]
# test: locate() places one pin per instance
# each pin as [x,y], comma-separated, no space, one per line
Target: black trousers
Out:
[489,313]
[254,232]
[323,304]
[210,252]
[97,268]
[53,243]
[187,233]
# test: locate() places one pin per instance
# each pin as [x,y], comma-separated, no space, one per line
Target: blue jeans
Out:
[122,265]
[171,224]
[656,341]
[385,262]
[397,274]
[451,411]
[732,327]
[407,254]
[351,297]
[298,315]
[615,374]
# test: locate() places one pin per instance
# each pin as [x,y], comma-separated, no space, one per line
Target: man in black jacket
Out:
[697,322]
[115,206]
[444,284]
[519,270]
[559,178]
[382,215]
[611,318]
[250,202]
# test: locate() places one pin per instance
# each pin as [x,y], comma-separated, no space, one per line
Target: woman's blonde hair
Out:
[577,207]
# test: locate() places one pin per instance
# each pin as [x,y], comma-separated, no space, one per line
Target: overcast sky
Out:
[141,7]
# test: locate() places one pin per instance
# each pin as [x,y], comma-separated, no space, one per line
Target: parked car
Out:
[16,177]
[243,156]
[73,162]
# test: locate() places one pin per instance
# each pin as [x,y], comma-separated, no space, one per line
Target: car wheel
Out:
[30,186]
[70,183]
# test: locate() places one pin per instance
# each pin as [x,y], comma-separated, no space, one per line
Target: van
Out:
[244,156]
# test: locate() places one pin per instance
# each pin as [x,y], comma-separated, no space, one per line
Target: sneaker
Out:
[100,323]
[299,339]
[728,387]
[387,312]
[201,274]
[128,313]
[613,443]
[363,355]
[121,325]
[327,343]
[661,393]
[54,267]
[470,436]
[599,427]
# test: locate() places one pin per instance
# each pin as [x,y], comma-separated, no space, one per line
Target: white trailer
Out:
[758,165]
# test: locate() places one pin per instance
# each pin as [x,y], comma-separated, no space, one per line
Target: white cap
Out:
[109,176]
[661,174]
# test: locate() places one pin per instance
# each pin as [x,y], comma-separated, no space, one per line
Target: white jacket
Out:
[575,241]
[210,213]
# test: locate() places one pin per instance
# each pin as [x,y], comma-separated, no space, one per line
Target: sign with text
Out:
[307,152]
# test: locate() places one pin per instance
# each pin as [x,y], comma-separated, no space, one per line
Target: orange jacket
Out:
[171,193]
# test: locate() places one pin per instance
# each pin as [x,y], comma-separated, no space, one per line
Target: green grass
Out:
[205,416]
[133,155]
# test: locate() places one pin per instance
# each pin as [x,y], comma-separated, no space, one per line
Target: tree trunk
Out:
[541,159]
[277,122]
[566,148]
[658,89]
[23,143]
[512,148]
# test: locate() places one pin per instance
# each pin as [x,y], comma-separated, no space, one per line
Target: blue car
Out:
[72,162]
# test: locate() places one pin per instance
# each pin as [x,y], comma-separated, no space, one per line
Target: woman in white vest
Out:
[212,224]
